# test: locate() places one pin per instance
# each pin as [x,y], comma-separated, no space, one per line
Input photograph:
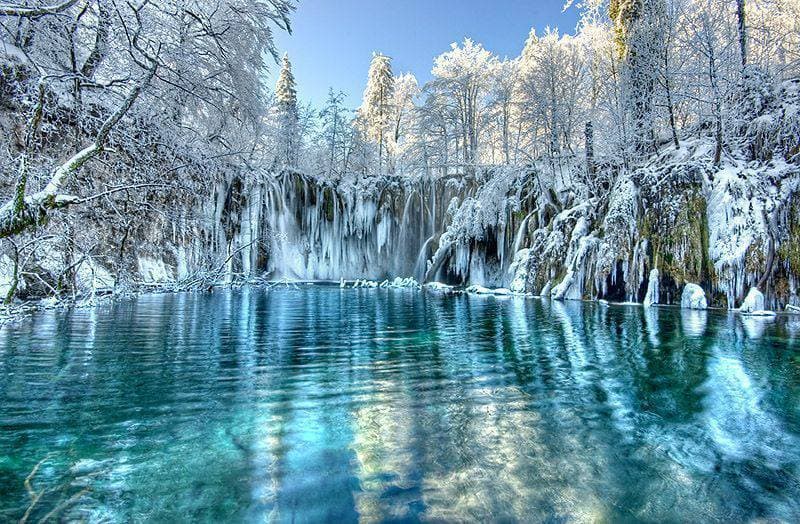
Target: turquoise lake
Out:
[313,404]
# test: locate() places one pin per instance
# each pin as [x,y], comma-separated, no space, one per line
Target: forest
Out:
[650,155]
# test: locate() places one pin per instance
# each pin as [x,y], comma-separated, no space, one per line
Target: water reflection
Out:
[318,403]
[755,327]
[694,322]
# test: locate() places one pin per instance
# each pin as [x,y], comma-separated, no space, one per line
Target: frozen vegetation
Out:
[652,156]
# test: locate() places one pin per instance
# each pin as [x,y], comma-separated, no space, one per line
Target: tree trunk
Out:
[742,23]
[712,75]
[591,168]
[670,107]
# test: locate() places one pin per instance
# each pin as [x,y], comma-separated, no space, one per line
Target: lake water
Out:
[320,404]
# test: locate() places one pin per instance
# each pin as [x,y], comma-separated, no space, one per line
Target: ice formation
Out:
[754,302]
[693,297]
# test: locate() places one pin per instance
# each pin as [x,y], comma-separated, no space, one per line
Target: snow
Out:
[401,283]
[519,269]
[480,290]
[762,313]
[754,302]
[693,297]
[397,283]
[7,276]
[439,287]
[91,278]
[652,295]
[458,208]
[581,244]
[153,271]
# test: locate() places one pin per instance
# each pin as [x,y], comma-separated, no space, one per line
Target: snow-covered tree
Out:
[551,89]
[377,109]
[503,105]
[637,26]
[462,77]
[286,114]
[334,135]
[406,90]
[133,77]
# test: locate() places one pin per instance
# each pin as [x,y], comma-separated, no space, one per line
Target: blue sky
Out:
[333,40]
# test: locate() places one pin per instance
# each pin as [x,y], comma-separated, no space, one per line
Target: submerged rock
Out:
[753,303]
[693,297]
[762,313]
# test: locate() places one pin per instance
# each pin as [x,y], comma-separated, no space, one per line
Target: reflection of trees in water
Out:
[328,404]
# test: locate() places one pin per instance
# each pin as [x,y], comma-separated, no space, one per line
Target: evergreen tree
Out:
[287,114]
[377,110]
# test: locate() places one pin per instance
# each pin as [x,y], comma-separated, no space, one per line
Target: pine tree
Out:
[376,112]
[287,114]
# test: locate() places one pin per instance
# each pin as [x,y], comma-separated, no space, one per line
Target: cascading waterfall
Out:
[293,227]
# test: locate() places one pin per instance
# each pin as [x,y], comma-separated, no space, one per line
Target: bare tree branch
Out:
[9,10]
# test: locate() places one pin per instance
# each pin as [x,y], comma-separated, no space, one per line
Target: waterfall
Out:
[293,227]
[422,259]
[521,234]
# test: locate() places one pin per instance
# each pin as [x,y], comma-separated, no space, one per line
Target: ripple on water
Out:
[323,404]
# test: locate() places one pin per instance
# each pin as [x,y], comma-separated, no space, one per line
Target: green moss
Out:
[789,249]
[328,203]
[679,240]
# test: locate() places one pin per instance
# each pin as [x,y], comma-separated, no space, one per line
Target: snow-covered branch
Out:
[25,11]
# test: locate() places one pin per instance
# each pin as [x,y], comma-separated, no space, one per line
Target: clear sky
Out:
[333,40]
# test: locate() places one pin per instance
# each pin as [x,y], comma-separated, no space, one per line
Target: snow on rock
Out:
[580,245]
[154,271]
[793,310]
[753,302]
[397,283]
[401,283]
[519,269]
[762,313]
[439,287]
[652,289]
[7,277]
[735,224]
[620,234]
[368,284]
[91,278]
[480,290]
[693,297]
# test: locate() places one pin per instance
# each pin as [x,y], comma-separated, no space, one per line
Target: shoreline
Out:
[15,312]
